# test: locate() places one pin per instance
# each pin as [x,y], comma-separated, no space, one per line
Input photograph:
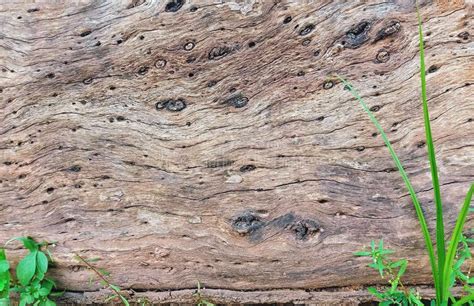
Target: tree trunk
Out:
[210,141]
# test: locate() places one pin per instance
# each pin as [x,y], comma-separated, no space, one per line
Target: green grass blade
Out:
[456,236]
[464,300]
[416,203]
[440,243]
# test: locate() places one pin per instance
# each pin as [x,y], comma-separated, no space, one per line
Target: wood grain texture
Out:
[210,141]
[334,297]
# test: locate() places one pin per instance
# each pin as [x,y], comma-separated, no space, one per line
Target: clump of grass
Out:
[443,268]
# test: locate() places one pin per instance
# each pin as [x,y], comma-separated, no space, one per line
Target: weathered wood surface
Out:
[210,141]
[336,297]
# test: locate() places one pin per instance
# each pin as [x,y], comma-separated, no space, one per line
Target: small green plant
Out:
[102,275]
[31,284]
[144,301]
[200,301]
[463,254]
[396,294]
[444,270]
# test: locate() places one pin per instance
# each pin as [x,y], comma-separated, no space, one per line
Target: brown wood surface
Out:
[211,142]
[334,297]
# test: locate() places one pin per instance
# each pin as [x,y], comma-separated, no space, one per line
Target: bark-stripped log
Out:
[190,140]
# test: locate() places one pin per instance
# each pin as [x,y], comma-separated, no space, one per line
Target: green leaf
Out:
[375,293]
[29,243]
[398,263]
[440,246]
[362,253]
[50,281]
[124,301]
[110,298]
[4,266]
[411,190]
[50,256]
[28,298]
[116,288]
[403,267]
[49,303]
[26,268]
[103,272]
[22,302]
[4,302]
[3,256]
[448,268]
[372,245]
[4,276]
[4,284]
[464,300]
[386,252]
[46,288]
[206,303]
[41,264]
[414,299]
[93,259]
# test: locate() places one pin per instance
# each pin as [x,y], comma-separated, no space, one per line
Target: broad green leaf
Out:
[4,284]
[29,243]
[28,298]
[4,302]
[49,303]
[46,288]
[44,291]
[41,264]
[26,268]
[50,281]
[4,277]
[4,266]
